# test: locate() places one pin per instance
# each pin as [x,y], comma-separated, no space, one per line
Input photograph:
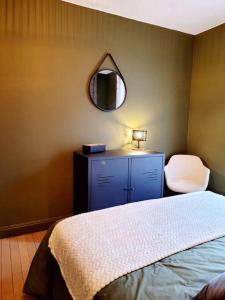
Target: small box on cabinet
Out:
[93,148]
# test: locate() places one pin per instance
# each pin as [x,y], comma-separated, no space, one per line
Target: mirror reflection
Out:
[107,90]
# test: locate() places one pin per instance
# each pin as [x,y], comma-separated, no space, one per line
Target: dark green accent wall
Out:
[206,133]
[48,50]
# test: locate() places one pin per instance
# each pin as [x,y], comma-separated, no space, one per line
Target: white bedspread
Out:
[93,249]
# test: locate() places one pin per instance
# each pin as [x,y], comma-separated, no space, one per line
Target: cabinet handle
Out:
[129,189]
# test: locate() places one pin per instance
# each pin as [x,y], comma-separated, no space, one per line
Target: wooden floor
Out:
[16,254]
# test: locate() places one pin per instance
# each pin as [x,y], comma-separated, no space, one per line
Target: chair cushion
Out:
[185,186]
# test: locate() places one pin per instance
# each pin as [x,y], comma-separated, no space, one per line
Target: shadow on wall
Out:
[59,184]
[216,181]
[53,182]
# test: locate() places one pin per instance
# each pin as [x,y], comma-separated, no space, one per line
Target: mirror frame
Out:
[121,77]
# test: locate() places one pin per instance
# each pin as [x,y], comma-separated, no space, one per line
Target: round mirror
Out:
[107,90]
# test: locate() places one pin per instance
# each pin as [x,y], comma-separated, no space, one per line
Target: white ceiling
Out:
[190,16]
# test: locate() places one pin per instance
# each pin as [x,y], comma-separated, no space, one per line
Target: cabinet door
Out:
[109,180]
[146,178]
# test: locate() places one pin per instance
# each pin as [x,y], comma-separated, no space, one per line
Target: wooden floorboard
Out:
[16,254]
[25,261]
[31,249]
[7,285]
[17,279]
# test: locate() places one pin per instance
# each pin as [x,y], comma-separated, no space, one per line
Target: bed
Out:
[180,241]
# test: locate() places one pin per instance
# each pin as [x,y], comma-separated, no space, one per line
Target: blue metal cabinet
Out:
[116,177]
[108,183]
[146,178]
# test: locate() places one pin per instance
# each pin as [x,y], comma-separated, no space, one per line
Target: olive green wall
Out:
[48,50]
[206,133]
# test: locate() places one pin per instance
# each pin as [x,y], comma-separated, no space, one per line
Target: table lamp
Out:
[139,136]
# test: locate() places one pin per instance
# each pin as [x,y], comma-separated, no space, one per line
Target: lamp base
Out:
[139,149]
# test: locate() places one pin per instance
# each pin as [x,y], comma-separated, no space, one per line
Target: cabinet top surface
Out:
[120,153]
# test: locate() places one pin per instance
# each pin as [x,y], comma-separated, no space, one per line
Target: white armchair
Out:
[186,174]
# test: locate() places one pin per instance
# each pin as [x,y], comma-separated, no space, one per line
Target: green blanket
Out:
[177,277]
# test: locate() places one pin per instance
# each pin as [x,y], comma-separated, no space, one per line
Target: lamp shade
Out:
[139,135]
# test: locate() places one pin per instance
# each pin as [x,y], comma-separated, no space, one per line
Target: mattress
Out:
[178,276]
